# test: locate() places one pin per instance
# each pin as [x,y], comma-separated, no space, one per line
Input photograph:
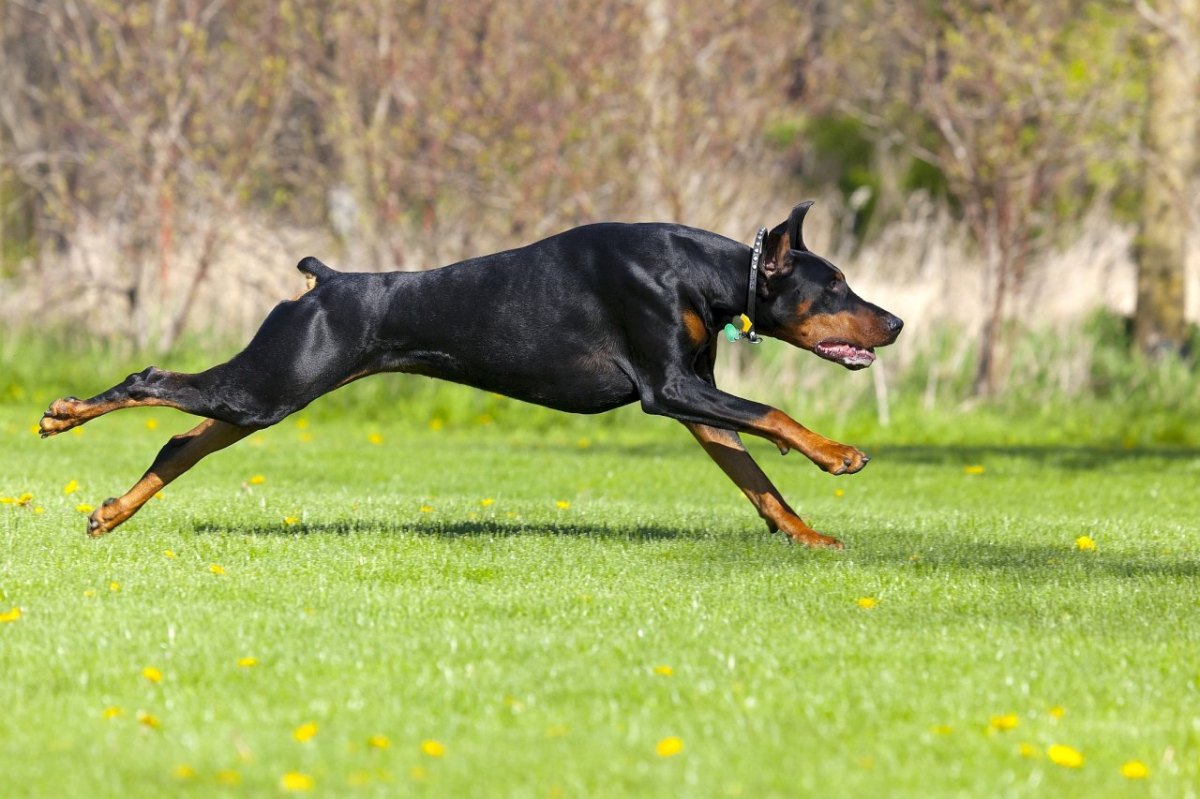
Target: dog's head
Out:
[804,300]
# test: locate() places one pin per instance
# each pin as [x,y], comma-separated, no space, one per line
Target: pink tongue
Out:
[847,354]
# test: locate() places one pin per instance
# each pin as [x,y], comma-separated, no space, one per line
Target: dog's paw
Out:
[62,415]
[840,459]
[800,533]
[103,518]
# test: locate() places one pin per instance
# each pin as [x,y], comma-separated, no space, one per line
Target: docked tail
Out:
[315,271]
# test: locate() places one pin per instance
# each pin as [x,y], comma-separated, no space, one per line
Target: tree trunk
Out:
[1170,143]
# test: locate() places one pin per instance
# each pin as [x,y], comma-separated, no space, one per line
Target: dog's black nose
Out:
[894,324]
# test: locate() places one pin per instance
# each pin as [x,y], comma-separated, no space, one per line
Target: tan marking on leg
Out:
[64,414]
[180,454]
[726,449]
[786,433]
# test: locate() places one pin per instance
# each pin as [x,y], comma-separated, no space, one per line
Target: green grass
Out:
[525,637]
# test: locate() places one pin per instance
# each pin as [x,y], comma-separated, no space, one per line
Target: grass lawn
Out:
[501,612]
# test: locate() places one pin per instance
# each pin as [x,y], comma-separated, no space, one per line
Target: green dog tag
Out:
[731,332]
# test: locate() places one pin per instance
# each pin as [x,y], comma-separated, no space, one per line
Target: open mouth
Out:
[848,355]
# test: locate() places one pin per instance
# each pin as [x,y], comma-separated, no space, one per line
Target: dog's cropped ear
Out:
[783,237]
[795,223]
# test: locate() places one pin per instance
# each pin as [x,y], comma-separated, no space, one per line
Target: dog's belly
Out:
[586,385]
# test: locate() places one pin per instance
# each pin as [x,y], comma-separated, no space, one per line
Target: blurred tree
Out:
[1012,102]
[1169,169]
[142,118]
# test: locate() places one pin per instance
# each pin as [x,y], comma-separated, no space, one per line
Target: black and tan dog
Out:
[585,321]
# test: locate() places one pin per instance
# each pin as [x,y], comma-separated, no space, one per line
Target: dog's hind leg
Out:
[149,387]
[180,454]
[285,366]
[726,448]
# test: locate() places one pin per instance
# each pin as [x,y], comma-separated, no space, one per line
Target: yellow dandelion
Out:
[25,499]
[83,507]
[839,492]
[486,502]
[297,782]
[1135,770]
[248,662]
[583,443]
[1028,750]
[71,487]
[433,748]
[257,480]
[228,777]
[76,431]
[305,732]
[1085,543]
[378,742]
[974,469]
[664,671]
[426,509]
[1058,711]
[39,509]
[11,615]
[110,713]
[217,569]
[160,495]
[184,772]
[669,747]
[375,438]
[1065,756]
[1002,723]
[307,438]
[290,520]
[417,773]
[563,504]
[169,554]
[152,674]
[90,593]
[436,424]
[867,602]
[114,587]
[302,423]
[151,424]
[148,720]
[942,729]
[35,429]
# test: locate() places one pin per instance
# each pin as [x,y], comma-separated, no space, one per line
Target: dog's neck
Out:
[730,294]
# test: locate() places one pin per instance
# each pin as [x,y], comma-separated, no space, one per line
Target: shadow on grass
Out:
[1024,561]
[485,528]
[926,553]
[1064,457]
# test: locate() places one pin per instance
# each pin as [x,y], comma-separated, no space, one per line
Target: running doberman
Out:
[585,321]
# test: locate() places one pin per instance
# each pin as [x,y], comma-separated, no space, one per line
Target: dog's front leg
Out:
[786,433]
[689,398]
[726,448]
